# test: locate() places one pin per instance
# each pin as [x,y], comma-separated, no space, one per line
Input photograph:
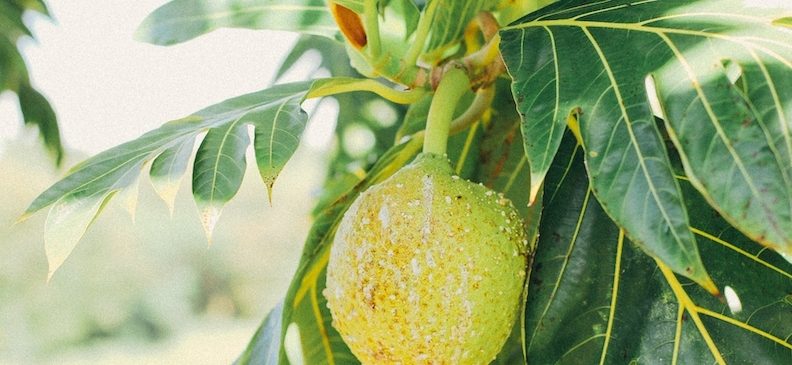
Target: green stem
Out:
[421,33]
[453,85]
[371,19]
[478,107]
[321,89]
[486,55]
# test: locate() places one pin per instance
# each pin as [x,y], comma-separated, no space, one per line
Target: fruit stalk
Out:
[453,85]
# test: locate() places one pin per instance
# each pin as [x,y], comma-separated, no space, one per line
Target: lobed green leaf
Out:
[217,171]
[595,298]
[590,60]
[728,112]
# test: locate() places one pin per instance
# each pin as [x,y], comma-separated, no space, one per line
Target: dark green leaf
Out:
[275,146]
[181,20]
[591,60]
[11,21]
[735,139]
[37,111]
[595,299]
[13,71]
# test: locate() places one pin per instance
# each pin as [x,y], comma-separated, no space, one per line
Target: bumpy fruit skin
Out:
[427,268]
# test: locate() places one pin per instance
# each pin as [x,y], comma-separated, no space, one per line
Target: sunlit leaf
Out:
[78,196]
[220,166]
[168,168]
[355,109]
[595,298]
[181,20]
[786,22]
[407,11]
[127,197]
[66,223]
[591,59]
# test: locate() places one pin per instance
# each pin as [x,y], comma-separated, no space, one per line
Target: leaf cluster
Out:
[647,145]
[36,110]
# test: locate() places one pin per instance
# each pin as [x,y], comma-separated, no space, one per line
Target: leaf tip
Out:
[784,22]
[209,216]
[269,181]
[167,192]
[22,218]
[574,125]
[536,185]
[269,192]
[708,285]
[54,262]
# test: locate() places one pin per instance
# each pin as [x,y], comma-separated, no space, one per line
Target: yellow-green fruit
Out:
[427,268]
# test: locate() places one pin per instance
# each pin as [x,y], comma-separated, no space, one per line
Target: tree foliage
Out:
[36,110]
[646,143]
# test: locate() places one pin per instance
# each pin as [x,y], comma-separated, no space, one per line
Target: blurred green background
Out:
[148,291]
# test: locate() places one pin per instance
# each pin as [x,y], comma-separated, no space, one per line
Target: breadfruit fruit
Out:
[427,268]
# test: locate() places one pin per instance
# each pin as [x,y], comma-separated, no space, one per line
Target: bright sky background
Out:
[107,88]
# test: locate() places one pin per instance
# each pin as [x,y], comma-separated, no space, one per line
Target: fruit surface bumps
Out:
[427,268]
